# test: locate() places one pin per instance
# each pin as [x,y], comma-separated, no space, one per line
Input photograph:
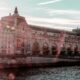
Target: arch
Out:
[45,48]
[25,48]
[19,45]
[35,48]
[76,51]
[63,51]
[22,48]
[69,51]
[28,48]
[54,49]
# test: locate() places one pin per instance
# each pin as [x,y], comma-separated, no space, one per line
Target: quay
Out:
[37,61]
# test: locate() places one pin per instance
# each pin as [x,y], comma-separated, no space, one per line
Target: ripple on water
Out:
[59,73]
[62,73]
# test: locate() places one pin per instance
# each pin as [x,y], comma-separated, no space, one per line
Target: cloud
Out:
[64,13]
[49,2]
[54,11]
[57,23]
[51,26]
[53,20]
[59,11]
[4,11]
[3,8]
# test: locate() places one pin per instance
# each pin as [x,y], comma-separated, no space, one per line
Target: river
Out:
[55,73]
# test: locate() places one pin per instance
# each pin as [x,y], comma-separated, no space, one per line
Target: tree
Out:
[77,31]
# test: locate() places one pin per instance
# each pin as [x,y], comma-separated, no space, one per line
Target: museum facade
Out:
[17,37]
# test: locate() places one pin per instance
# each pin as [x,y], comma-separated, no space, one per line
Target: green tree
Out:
[77,31]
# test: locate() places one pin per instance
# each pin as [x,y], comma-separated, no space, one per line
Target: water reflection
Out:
[59,73]
[12,74]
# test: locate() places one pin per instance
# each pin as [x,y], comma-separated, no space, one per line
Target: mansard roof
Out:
[41,28]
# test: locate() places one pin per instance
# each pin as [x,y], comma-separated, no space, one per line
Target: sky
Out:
[59,14]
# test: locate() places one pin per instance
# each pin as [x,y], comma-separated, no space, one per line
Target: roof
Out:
[41,28]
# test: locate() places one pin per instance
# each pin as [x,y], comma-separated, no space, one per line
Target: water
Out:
[59,73]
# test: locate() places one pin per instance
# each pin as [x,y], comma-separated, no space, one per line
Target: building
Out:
[17,37]
[14,32]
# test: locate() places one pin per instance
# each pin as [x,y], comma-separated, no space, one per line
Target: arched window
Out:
[35,48]
[63,51]
[45,49]
[69,51]
[54,49]
[27,48]
[21,49]
[76,51]
[19,46]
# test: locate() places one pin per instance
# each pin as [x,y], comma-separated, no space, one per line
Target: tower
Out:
[16,11]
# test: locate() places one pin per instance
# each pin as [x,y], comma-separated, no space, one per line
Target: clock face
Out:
[7,26]
[10,27]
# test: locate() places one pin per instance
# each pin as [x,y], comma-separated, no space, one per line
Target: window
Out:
[35,48]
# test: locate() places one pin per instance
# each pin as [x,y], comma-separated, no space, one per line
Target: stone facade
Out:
[17,37]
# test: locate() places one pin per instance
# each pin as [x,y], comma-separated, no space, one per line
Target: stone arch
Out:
[45,48]
[76,50]
[35,48]
[54,49]
[19,48]
[28,48]
[25,48]
[23,51]
[69,50]
[63,50]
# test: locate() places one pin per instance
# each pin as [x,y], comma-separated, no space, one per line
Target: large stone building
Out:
[17,37]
